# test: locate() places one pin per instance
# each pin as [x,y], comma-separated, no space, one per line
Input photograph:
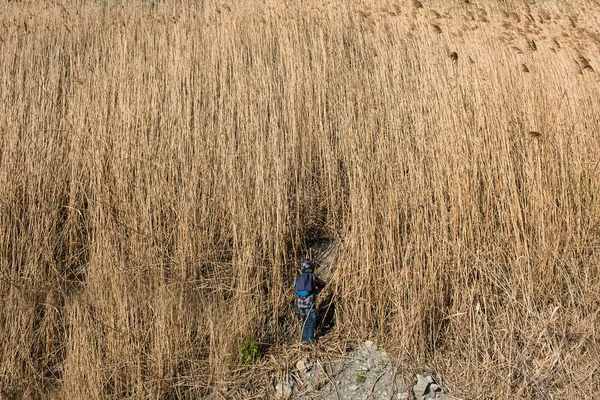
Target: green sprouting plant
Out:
[249,351]
[361,378]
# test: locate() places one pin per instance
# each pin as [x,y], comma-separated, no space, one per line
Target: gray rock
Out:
[370,345]
[354,388]
[421,386]
[370,363]
[360,354]
[285,388]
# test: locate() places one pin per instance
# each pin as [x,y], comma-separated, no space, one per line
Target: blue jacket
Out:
[309,301]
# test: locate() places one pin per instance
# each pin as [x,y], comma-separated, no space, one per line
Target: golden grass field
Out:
[162,166]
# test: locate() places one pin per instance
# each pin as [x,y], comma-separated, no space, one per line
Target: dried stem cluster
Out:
[162,167]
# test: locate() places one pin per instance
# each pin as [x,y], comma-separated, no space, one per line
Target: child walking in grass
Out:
[308,285]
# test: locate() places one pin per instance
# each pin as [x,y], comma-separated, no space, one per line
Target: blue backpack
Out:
[304,284]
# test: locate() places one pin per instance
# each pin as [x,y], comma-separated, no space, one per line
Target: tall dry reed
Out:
[163,165]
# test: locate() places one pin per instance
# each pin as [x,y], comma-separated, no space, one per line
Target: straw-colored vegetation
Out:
[162,166]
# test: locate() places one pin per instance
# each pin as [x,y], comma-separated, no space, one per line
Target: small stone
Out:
[370,345]
[370,363]
[354,388]
[284,388]
[434,388]
[402,396]
[421,386]
[384,395]
[302,366]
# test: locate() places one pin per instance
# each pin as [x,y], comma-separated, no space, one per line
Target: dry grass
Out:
[162,167]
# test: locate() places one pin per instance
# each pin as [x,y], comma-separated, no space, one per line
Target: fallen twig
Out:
[375,383]
[330,380]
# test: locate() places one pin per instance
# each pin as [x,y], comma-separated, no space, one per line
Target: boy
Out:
[307,288]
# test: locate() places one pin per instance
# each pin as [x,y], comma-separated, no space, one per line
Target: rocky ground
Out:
[364,373]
